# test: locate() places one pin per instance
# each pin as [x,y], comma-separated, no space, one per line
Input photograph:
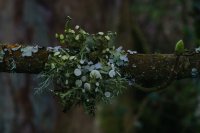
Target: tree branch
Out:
[147,69]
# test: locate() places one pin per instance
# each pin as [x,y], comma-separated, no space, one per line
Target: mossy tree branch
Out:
[147,69]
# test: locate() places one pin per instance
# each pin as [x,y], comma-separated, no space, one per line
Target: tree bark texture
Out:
[146,69]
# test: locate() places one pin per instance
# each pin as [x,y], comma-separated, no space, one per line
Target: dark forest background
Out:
[147,26]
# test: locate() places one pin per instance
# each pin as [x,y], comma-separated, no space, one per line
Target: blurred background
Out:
[148,26]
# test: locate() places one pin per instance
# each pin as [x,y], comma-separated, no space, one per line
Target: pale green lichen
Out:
[87,71]
[16,48]
[2,53]
[29,50]
[194,73]
[11,64]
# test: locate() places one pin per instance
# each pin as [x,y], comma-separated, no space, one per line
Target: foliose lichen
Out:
[11,64]
[29,50]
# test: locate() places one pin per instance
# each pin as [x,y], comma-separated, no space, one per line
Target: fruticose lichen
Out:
[2,53]
[87,70]
[11,64]
[194,73]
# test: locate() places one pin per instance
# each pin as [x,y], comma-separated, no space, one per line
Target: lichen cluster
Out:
[86,69]
[2,53]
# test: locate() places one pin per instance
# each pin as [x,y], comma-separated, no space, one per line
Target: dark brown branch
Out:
[32,65]
[148,69]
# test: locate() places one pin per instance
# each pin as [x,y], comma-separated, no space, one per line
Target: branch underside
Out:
[146,69]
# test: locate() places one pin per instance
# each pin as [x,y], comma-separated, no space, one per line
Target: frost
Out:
[29,50]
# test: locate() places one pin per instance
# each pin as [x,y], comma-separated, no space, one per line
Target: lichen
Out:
[194,73]
[87,71]
[16,48]
[29,50]
[2,53]
[11,64]
[197,50]
[53,49]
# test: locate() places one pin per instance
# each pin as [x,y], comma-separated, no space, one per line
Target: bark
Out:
[147,69]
